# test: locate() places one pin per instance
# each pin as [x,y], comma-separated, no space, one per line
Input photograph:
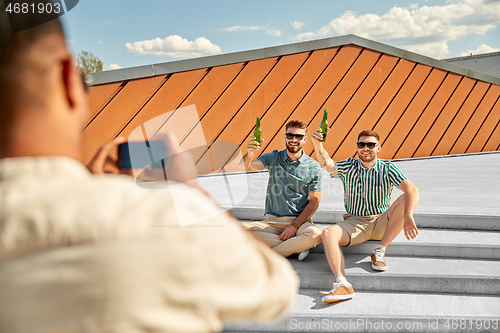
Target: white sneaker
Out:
[303,255]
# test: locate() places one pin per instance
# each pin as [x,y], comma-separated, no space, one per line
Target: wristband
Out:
[296,227]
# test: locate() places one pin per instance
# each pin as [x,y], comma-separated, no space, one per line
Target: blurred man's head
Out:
[40,96]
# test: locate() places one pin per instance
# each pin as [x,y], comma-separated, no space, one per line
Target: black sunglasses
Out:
[370,145]
[290,136]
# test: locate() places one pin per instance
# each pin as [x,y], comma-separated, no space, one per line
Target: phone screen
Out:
[141,154]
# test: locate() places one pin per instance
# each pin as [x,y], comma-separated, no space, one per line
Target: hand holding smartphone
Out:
[141,154]
[161,159]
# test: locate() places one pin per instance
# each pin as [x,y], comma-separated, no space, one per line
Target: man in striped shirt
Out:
[368,184]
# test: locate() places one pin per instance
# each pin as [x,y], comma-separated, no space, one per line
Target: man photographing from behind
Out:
[96,253]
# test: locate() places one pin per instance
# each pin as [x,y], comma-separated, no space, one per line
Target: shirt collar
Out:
[287,159]
[375,168]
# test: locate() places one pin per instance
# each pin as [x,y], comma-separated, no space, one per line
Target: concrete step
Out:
[405,274]
[434,243]
[424,220]
[385,312]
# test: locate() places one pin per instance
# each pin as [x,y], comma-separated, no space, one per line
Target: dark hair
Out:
[369,133]
[18,67]
[297,124]
[14,43]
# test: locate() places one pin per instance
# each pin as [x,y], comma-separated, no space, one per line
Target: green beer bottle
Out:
[257,133]
[324,125]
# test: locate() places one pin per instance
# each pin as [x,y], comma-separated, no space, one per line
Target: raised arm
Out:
[248,160]
[321,154]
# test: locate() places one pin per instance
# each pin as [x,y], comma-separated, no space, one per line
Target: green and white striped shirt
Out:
[368,191]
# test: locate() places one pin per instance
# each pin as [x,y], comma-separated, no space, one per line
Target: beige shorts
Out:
[364,228]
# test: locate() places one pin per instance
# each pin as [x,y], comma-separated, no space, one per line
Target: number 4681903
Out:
[26,8]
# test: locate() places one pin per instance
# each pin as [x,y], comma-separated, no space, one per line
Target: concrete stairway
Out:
[446,280]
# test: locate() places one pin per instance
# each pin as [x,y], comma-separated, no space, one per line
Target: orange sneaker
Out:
[339,292]
[378,260]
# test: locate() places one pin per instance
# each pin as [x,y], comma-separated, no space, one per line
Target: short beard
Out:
[366,158]
[293,150]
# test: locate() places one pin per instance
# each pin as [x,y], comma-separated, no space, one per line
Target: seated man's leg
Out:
[268,232]
[308,236]
[387,227]
[335,237]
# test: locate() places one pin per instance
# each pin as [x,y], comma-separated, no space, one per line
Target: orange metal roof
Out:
[419,106]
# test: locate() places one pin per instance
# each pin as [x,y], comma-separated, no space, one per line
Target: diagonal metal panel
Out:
[212,87]
[395,139]
[274,119]
[456,125]
[401,101]
[262,98]
[116,114]
[235,97]
[374,111]
[314,100]
[439,127]
[358,103]
[493,142]
[486,130]
[474,123]
[428,116]
[99,96]
[344,93]
[166,99]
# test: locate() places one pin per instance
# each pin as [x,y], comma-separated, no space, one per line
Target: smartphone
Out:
[141,154]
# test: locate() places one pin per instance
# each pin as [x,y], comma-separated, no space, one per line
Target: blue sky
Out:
[133,33]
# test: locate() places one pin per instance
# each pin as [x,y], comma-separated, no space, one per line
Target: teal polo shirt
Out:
[289,182]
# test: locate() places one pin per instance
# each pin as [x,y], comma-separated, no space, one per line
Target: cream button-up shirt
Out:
[97,253]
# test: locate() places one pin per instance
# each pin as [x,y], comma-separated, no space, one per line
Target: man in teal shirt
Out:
[293,194]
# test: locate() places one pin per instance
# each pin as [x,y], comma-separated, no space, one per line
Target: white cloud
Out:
[274,32]
[114,66]
[268,31]
[109,22]
[70,41]
[297,25]
[306,35]
[424,30]
[483,48]
[101,42]
[174,46]
[241,28]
